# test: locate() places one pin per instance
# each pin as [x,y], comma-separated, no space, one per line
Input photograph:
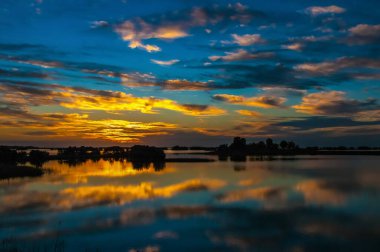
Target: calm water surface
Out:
[321,203]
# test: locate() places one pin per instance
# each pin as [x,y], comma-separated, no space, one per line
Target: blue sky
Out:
[189,72]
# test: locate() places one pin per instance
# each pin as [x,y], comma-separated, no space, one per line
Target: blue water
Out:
[303,203]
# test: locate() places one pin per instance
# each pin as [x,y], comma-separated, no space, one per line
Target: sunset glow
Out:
[188,72]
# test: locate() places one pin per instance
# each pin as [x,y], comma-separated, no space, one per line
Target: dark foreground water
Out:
[320,203]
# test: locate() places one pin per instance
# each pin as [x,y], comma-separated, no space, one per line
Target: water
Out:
[304,203]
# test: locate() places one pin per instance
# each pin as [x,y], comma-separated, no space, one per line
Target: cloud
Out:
[148,48]
[333,103]
[260,101]
[329,67]
[99,23]
[367,116]
[238,76]
[177,25]
[320,10]
[147,80]
[120,101]
[136,32]
[249,113]
[177,84]
[283,91]
[165,63]
[293,47]
[248,39]
[90,99]
[58,125]
[242,55]
[364,34]
[342,131]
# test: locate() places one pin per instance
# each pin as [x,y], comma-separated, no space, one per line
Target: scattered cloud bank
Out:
[320,10]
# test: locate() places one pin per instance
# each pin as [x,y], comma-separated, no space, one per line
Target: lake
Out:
[300,203]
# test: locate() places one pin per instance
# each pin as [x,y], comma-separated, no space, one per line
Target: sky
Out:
[195,73]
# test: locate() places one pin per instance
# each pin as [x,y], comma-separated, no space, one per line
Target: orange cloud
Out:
[293,47]
[249,113]
[76,125]
[88,99]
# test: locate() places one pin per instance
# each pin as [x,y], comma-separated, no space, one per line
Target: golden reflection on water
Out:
[314,192]
[101,168]
[117,183]
[261,202]
[87,196]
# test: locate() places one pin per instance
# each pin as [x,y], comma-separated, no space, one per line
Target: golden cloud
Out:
[249,113]
[111,101]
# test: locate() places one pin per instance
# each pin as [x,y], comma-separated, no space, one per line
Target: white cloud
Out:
[165,63]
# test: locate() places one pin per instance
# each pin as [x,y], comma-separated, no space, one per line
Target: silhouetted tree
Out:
[239,143]
[37,157]
[261,146]
[291,145]
[284,145]
[146,153]
[269,144]
[8,155]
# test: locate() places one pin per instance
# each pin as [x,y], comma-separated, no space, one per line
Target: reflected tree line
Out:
[13,163]
[16,162]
